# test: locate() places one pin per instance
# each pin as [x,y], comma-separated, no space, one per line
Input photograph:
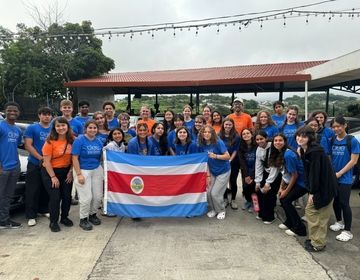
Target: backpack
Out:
[348,138]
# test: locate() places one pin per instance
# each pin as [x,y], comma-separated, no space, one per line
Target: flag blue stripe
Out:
[139,160]
[141,211]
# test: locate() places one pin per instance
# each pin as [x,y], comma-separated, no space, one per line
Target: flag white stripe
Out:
[156,170]
[189,198]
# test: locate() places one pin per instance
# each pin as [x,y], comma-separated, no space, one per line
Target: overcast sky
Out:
[298,41]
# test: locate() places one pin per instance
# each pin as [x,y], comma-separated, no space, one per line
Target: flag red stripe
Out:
[159,185]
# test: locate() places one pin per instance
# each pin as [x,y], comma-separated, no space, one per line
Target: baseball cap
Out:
[238,100]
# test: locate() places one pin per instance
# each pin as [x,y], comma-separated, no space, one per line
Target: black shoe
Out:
[74,201]
[85,225]
[9,224]
[136,219]
[310,248]
[307,242]
[66,222]
[54,227]
[94,220]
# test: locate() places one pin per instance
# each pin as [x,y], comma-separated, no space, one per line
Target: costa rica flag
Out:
[155,186]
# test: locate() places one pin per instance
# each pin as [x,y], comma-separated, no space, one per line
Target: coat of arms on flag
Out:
[155,186]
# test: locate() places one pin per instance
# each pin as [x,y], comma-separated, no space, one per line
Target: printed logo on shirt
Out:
[43,135]
[338,150]
[13,137]
[137,185]
[92,150]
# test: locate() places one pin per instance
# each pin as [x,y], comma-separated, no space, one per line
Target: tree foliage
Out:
[34,66]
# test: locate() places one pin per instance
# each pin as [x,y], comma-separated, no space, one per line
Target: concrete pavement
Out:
[239,247]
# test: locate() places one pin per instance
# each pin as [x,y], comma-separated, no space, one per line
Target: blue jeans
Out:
[8,179]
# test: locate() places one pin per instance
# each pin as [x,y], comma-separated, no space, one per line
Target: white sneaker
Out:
[337,226]
[345,236]
[290,232]
[31,222]
[233,205]
[47,215]
[283,226]
[211,214]
[221,215]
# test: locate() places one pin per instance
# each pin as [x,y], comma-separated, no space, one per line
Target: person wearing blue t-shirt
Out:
[159,145]
[66,108]
[10,139]
[178,122]
[88,174]
[219,170]
[343,159]
[84,111]
[109,110]
[36,197]
[140,145]
[231,140]
[292,186]
[265,122]
[290,125]
[199,122]
[183,144]
[188,121]
[278,118]
[325,133]
[124,120]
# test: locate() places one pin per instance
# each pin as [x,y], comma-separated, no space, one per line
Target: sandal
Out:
[337,226]
[345,236]
[211,214]
[221,215]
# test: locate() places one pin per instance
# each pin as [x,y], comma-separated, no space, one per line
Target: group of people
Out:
[278,156]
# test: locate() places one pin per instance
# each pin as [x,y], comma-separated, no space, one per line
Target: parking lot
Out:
[240,247]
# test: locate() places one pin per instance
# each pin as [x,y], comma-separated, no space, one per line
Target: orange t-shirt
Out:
[241,122]
[149,122]
[217,128]
[55,149]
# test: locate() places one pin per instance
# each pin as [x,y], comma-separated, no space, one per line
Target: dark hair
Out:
[262,133]
[212,119]
[276,157]
[278,103]
[82,103]
[108,103]
[90,122]
[111,138]
[44,111]
[213,139]
[311,119]
[188,138]
[243,145]
[11,103]
[53,135]
[313,114]
[178,117]
[339,119]
[106,126]
[308,132]
[168,126]
[232,134]
[296,109]
[163,143]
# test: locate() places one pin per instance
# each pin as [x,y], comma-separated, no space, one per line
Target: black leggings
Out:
[235,168]
[342,205]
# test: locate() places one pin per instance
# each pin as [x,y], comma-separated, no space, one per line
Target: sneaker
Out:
[66,222]
[9,224]
[310,248]
[211,214]
[283,226]
[233,205]
[94,220]
[337,226]
[31,222]
[221,215]
[74,201]
[85,225]
[269,222]
[47,215]
[345,236]
[258,217]
[290,232]
[54,227]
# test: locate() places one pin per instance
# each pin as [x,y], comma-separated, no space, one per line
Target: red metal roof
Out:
[243,74]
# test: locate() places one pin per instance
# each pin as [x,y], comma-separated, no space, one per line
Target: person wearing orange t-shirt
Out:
[216,121]
[145,114]
[241,119]
[56,172]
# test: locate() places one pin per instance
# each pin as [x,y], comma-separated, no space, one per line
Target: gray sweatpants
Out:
[216,190]
[91,193]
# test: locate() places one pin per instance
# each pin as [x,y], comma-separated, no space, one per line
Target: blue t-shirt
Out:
[326,134]
[38,135]
[233,147]
[271,131]
[83,120]
[194,136]
[10,139]
[76,127]
[279,120]
[216,166]
[189,124]
[289,131]
[186,149]
[340,156]
[102,137]
[137,148]
[293,163]
[155,147]
[114,123]
[250,158]
[88,152]
[171,138]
